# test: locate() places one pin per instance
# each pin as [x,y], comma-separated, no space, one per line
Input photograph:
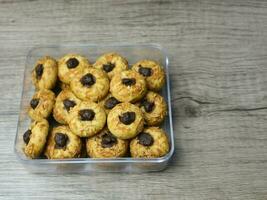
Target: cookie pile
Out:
[114,107]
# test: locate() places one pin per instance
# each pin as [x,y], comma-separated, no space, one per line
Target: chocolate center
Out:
[72,63]
[88,80]
[128,81]
[26,136]
[108,67]
[108,140]
[61,140]
[149,106]
[68,104]
[145,139]
[87,114]
[39,69]
[127,118]
[145,71]
[34,103]
[111,102]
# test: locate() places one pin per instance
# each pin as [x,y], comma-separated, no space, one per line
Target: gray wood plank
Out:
[218,59]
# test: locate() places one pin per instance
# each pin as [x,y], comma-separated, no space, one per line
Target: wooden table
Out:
[218,61]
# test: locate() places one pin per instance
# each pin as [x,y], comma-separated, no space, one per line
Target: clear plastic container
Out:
[132,53]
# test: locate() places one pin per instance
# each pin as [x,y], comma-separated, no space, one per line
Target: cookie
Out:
[35,138]
[62,143]
[111,63]
[65,101]
[70,65]
[109,102]
[152,72]
[41,104]
[87,119]
[44,74]
[125,121]
[128,86]
[92,84]
[106,145]
[151,143]
[154,108]
[64,86]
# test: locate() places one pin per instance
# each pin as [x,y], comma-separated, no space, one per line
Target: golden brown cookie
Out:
[92,84]
[106,145]
[65,101]
[41,104]
[128,86]
[62,143]
[35,138]
[44,74]
[64,86]
[70,65]
[111,63]
[109,102]
[151,143]
[87,119]
[152,72]
[125,121]
[154,108]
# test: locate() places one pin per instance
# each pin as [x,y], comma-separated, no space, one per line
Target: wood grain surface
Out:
[218,66]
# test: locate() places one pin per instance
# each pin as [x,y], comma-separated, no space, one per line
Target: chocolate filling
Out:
[108,140]
[127,118]
[128,81]
[39,69]
[26,136]
[149,106]
[145,71]
[145,139]
[108,67]
[88,80]
[68,104]
[87,114]
[61,140]
[72,63]
[34,103]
